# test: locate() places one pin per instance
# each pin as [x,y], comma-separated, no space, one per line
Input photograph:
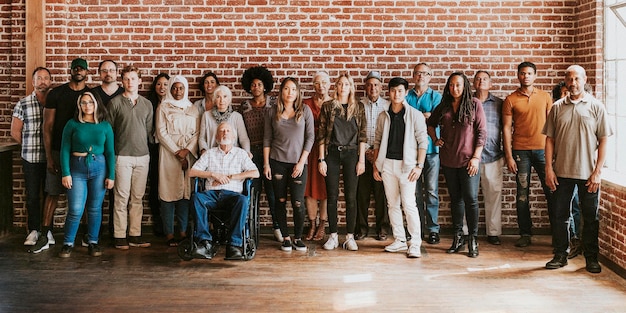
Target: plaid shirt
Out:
[236,161]
[372,110]
[492,151]
[30,111]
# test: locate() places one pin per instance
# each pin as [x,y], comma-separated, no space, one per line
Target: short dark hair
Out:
[556,91]
[482,71]
[257,72]
[41,68]
[104,61]
[397,81]
[526,64]
[203,78]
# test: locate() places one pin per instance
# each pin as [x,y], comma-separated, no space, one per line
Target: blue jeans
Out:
[181,208]
[524,160]
[223,200]
[34,183]
[428,186]
[87,192]
[336,160]
[463,190]
[262,183]
[561,216]
[282,180]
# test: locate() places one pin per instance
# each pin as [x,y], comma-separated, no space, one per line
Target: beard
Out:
[225,141]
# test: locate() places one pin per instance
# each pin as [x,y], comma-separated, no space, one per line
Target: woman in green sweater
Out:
[87,168]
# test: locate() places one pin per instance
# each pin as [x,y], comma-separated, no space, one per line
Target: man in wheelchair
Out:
[225,168]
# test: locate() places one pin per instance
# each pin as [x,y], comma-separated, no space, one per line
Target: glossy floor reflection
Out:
[502,279]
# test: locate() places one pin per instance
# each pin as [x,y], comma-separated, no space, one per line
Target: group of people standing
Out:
[393,148]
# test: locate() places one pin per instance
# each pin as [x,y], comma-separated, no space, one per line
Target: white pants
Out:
[131,175]
[400,191]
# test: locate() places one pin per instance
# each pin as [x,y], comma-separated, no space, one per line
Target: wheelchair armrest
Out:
[199,183]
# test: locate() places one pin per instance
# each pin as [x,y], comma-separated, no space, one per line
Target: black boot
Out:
[472,247]
[457,243]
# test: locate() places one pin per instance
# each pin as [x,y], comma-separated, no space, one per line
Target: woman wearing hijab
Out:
[222,111]
[177,129]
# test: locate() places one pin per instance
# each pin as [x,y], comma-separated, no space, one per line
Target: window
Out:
[615,81]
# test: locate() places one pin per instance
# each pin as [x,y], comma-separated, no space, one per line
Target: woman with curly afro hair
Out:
[258,82]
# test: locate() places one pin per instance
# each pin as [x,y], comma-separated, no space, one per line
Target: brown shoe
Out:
[311,233]
[321,231]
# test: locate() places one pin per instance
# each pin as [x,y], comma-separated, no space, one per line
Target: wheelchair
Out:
[218,220]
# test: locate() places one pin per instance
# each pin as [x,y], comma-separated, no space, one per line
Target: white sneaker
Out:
[396,246]
[278,235]
[31,239]
[332,242]
[50,238]
[350,244]
[414,252]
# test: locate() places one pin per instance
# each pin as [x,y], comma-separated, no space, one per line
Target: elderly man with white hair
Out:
[577,129]
[225,168]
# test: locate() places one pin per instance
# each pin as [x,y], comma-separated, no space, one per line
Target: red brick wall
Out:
[298,38]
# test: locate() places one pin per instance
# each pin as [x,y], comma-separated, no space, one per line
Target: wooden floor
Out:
[502,279]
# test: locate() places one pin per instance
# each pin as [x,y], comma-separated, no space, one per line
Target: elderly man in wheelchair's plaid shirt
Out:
[225,168]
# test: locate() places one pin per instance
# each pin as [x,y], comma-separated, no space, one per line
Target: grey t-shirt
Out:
[287,138]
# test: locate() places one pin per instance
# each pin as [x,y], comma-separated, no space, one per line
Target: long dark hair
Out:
[152,94]
[467,109]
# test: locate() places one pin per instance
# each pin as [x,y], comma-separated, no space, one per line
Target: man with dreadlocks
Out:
[463,134]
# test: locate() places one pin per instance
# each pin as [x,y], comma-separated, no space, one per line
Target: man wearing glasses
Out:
[109,88]
[59,108]
[423,98]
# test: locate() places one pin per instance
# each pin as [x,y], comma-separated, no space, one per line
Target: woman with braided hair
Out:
[463,132]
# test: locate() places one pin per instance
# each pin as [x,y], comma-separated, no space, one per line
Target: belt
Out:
[342,148]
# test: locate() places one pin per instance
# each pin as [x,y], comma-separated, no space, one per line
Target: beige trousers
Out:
[131,175]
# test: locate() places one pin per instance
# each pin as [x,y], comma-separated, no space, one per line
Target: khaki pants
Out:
[131,175]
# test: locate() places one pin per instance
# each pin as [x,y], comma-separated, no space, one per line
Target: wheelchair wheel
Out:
[250,251]
[186,249]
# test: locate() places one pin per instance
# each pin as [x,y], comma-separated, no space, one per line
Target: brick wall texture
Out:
[298,38]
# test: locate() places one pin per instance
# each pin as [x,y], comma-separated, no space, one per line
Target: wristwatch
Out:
[420,165]
[320,160]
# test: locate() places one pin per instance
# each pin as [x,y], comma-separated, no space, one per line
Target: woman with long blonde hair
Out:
[342,139]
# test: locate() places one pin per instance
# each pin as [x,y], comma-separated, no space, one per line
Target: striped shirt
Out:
[30,111]
[215,160]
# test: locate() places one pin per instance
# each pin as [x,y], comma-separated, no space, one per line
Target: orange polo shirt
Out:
[529,114]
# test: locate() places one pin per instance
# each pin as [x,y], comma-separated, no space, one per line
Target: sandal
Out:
[321,231]
[311,233]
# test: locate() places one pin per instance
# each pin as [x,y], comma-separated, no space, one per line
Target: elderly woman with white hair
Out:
[222,111]
[177,129]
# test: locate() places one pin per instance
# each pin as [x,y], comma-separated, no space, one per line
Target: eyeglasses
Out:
[87,103]
[108,71]
[421,73]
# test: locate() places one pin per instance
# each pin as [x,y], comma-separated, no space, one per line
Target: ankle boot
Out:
[321,231]
[457,243]
[311,232]
[472,247]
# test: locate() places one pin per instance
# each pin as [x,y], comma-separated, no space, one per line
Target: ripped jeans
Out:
[281,180]
[524,160]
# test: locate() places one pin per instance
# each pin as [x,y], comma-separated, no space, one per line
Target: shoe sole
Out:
[330,248]
[122,247]
[285,249]
[96,254]
[396,250]
[140,245]
[65,255]
[414,255]
[46,247]
[554,267]
[29,243]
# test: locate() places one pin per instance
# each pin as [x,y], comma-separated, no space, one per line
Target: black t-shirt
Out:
[107,98]
[395,144]
[64,100]
[345,133]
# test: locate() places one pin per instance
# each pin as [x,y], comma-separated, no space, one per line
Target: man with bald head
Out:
[577,129]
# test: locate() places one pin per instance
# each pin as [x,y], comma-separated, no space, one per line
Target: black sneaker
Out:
[286,246]
[137,241]
[299,245]
[94,249]
[121,243]
[40,245]
[66,251]
[85,241]
[523,241]
[592,265]
[433,238]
